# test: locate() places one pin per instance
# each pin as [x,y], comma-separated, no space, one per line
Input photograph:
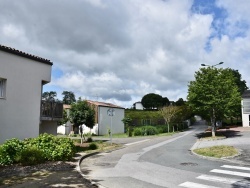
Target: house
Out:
[245,102]
[108,116]
[22,113]
[138,106]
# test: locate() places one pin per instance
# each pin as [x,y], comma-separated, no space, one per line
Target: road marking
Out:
[195,185]
[136,142]
[238,182]
[234,173]
[236,167]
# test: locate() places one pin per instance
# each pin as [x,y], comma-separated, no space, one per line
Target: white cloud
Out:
[121,50]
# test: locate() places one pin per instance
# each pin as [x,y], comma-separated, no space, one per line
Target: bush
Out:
[10,150]
[53,148]
[89,139]
[31,156]
[137,131]
[145,130]
[93,146]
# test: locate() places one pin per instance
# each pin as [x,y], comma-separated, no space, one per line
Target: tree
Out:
[68,97]
[49,96]
[154,101]
[180,102]
[82,113]
[169,114]
[213,94]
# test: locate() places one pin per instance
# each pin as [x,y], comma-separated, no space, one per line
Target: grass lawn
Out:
[217,151]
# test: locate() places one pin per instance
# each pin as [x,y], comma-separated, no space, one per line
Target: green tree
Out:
[180,102]
[154,101]
[49,96]
[82,113]
[213,94]
[68,97]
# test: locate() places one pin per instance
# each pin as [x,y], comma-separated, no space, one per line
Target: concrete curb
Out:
[79,169]
[226,159]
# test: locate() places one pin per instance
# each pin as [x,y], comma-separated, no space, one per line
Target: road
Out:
[163,162]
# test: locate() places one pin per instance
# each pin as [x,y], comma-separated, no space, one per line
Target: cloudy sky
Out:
[119,50]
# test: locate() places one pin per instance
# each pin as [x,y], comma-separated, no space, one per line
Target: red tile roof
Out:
[26,55]
[103,104]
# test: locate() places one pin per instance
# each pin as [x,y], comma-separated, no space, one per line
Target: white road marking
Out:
[234,173]
[236,167]
[195,185]
[136,142]
[238,182]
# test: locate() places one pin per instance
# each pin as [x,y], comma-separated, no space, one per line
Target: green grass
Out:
[217,151]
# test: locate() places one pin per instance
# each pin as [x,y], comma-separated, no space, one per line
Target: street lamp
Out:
[212,65]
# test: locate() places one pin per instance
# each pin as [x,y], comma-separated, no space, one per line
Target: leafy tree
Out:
[180,102]
[213,94]
[154,101]
[170,114]
[68,97]
[82,113]
[49,96]
[65,118]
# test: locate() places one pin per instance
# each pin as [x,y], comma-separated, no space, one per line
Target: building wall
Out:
[138,106]
[245,112]
[20,110]
[49,127]
[104,121]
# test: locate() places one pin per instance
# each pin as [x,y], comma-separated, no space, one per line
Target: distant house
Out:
[107,114]
[138,106]
[22,113]
[246,108]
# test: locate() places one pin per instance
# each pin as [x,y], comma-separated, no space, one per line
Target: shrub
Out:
[145,130]
[10,150]
[31,156]
[89,139]
[137,131]
[93,146]
[54,148]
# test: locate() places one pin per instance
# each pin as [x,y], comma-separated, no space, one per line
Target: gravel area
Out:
[49,174]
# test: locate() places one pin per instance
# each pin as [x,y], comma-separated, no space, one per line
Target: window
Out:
[2,88]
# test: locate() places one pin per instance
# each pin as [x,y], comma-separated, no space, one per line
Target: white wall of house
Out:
[139,106]
[20,110]
[104,121]
[245,112]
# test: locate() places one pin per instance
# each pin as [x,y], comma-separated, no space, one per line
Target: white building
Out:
[22,77]
[246,109]
[138,106]
[108,116]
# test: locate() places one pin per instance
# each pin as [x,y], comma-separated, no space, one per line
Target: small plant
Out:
[93,146]
[89,139]
[10,150]
[31,156]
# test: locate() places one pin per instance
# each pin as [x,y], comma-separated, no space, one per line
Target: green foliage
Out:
[142,114]
[145,130]
[31,156]
[93,146]
[53,148]
[49,96]
[89,139]
[214,94]
[68,97]
[82,113]
[152,101]
[10,150]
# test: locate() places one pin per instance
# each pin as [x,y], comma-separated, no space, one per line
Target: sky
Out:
[117,51]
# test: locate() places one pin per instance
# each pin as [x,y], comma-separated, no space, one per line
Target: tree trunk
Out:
[213,124]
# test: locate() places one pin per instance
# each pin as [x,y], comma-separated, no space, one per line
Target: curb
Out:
[79,169]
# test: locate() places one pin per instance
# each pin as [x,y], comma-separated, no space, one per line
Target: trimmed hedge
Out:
[145,130]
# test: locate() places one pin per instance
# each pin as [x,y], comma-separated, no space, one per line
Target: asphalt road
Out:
[162,162]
